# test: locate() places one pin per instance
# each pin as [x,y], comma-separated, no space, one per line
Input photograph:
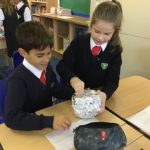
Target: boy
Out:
[32,84]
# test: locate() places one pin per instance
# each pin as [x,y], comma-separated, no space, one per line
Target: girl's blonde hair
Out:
[7,7]
[109,11]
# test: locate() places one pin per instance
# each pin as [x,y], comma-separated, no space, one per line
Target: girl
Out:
[11,18]
[93,60]
[22,8]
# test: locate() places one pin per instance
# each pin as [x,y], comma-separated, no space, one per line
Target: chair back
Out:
[2,98]
[17,59]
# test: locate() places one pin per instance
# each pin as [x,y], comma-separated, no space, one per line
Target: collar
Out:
[20,4]
[103,46]
[32,68]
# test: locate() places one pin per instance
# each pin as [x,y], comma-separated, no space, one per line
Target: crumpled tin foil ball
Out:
[87,105]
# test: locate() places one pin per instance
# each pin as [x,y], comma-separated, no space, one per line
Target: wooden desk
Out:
[35,140]
[140,144]
[132,95]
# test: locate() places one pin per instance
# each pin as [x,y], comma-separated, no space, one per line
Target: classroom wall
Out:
[135,37]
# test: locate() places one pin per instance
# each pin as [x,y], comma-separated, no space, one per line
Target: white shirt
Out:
[1,17]
[27,13]
[32,68]
[92,44]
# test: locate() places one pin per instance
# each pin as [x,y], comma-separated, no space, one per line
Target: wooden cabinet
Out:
[42,6]
[64,30]
[38,6]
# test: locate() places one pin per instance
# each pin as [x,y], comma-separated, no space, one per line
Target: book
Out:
[141,120]
[63,140]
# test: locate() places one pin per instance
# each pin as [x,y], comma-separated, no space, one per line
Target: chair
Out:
[17,59]
[2,98]
[53,62]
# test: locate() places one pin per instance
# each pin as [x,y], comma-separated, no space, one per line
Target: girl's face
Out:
[102,32]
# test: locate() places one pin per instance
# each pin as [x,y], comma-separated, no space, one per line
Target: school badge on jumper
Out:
[104,66]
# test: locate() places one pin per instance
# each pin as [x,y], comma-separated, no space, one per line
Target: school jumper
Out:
[102,71]
[26,94]
[10,25]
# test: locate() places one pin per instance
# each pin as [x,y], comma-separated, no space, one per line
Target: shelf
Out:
[36,14]
[64,30]
[38,6]
[38,2]
[62,36]
[57,54]
[60,51]
[48,22]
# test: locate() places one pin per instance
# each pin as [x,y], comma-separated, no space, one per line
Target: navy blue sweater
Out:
[100,71]
[26,94]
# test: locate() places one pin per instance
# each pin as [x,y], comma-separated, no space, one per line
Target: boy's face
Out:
[102,32]
[37,58]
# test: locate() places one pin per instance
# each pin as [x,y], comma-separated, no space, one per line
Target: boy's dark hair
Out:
[33,35]
[7,7]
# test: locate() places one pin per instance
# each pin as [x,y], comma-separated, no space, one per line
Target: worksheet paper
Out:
[63,140]
[142,120]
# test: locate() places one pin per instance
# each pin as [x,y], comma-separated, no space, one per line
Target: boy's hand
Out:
[61,123]
[103,100]
[78,85]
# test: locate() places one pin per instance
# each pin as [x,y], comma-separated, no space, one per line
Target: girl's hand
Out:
[103,100]
[77,85]
[61,123]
